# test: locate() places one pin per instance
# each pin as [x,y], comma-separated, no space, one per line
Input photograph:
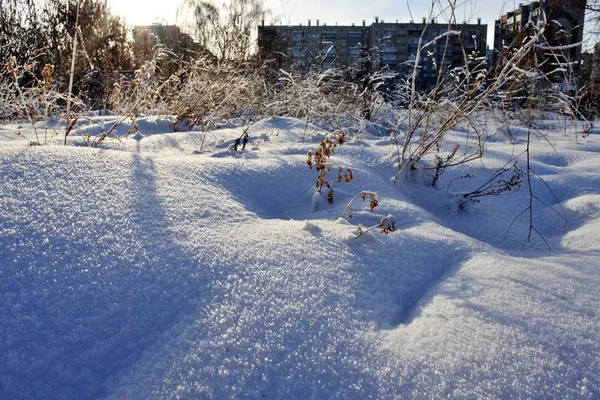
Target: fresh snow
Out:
[164,265]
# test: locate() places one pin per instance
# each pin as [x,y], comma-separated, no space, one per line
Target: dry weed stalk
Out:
[477,87]
[72,72]
[11,67]
[386,225]
[374,202]
[319,159]
[505,180]
[441,163]
[38,101]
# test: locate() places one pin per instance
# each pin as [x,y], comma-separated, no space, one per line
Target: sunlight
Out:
[145,12]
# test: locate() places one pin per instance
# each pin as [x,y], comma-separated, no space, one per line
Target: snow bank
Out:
[172,267]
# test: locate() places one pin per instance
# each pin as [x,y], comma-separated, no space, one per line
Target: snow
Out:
[163,265]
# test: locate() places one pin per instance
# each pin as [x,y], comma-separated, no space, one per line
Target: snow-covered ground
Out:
[151,269]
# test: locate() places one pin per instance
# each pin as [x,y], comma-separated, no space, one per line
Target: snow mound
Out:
[583,211]
[166,265]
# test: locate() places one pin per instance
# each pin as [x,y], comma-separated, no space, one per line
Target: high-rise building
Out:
[593,68]
[170,36]
[390,45]
[565,20]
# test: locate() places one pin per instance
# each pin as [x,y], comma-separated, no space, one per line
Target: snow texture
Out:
[166,266]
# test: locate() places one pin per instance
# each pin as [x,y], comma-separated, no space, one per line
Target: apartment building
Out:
[315,45]
[591,75]
[380,45]
[170,36]
[566,19]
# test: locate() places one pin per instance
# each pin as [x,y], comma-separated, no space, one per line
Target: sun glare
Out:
[145,12]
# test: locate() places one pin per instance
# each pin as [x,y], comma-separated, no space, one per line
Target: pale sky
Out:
[145,12]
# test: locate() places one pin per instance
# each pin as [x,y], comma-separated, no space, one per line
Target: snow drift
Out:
[150,269]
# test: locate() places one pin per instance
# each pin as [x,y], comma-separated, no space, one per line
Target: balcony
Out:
[298,53]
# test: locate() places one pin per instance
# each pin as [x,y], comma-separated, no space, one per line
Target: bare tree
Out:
[226,31]
[20,34]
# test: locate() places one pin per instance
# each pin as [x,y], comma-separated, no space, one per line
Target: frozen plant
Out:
[320,162]
[505,180]
[373,202]
[386,225]
[39,101]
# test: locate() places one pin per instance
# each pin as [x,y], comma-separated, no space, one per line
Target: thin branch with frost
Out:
[440,37]
[558,48]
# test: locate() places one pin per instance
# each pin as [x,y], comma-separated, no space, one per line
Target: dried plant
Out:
[320,161]
[386,225]
[373,202]
[505,180]
[441,162]
[39,101]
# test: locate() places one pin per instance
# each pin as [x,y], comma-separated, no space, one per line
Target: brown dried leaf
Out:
[387,225]
[349,175]
[373,204]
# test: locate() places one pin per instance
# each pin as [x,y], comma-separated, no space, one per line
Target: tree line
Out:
[36,33]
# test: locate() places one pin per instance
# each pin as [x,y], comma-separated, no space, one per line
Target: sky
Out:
[342,12]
